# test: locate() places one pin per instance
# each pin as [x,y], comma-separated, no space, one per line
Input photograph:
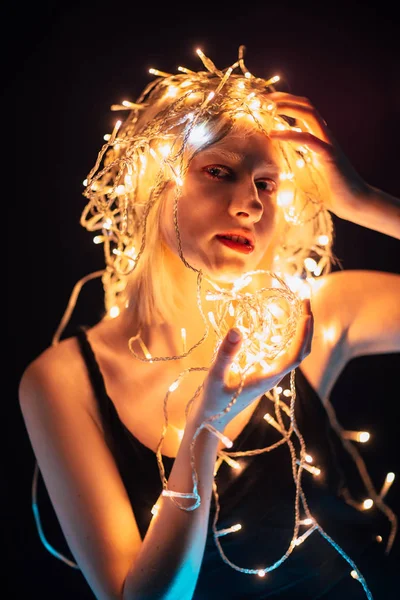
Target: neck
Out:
[166,338]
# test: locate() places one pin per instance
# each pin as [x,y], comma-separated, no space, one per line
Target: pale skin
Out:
[61,413]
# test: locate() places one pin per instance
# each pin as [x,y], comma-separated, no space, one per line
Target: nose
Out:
[246,204]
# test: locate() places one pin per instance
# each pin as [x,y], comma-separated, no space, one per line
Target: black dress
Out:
[261,497]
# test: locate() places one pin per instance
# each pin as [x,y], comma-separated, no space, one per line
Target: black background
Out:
[65,65]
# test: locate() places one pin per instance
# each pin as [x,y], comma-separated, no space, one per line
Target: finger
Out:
[226,353]
[286,97]
[301,109]
[311,119]
[304,139]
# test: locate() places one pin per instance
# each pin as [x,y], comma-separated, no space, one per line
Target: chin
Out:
[227,276]
[224,270]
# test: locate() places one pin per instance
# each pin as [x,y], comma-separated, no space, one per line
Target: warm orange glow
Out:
[114,312]
[354,574]
[285,195]
[155,509]
[367,504]
[329,333]
[357,436]
[386,486]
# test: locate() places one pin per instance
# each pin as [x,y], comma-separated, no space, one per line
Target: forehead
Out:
[244,145]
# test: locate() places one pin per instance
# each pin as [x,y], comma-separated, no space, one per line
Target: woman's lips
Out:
[238,246]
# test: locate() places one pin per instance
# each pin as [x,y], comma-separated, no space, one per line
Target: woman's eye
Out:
[225,173]
[266,185]
[218,172]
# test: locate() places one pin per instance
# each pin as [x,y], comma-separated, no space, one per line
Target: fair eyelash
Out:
[229,172]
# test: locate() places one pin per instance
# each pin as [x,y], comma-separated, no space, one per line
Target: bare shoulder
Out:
[356,312]
[347,293]
[56,371]
[353,279]
[328,306]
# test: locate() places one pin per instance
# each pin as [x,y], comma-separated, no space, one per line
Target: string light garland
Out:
[175,117]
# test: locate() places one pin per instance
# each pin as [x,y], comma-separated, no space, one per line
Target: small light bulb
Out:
[354,574]
[386,485]
[173,386]
[199,134]
[155,509]
[183,336]
[285,197]
[328,333]
[310,264]
[232,529]
[323,240]
[164,149]
[114,312]
[232,463]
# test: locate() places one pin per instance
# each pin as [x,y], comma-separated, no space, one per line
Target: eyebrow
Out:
[237,157]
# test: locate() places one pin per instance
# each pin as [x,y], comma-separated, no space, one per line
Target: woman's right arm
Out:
[88,495]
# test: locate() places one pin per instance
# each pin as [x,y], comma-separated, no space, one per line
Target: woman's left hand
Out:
[347,188]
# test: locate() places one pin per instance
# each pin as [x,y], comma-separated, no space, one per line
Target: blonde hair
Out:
[173,119]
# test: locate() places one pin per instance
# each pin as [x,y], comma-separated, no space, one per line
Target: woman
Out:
[212,200]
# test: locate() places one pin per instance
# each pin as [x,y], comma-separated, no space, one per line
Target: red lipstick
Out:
[240,246]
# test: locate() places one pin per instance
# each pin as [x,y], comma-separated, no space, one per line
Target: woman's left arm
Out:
[350,197]
[377,210]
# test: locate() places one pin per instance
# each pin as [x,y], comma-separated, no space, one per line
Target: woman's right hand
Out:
[221,383]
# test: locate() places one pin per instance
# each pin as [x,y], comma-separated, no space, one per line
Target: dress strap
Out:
[104,402]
